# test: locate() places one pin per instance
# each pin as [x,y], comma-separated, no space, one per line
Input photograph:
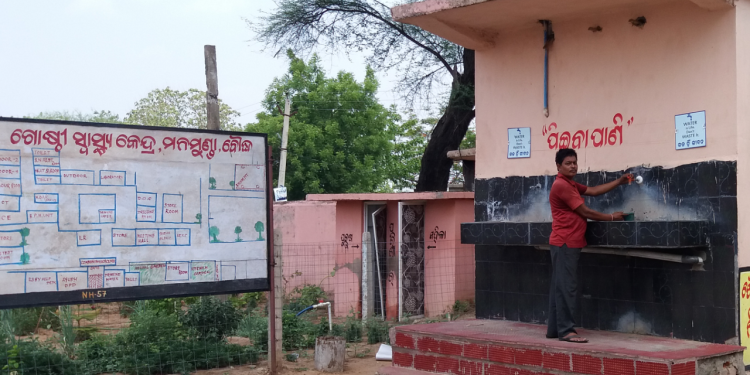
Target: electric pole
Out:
[284,136]
[212,85]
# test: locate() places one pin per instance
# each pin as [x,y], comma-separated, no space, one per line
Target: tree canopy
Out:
[421,58]
[184,109]
[340,138]
[161,107]
[96,116]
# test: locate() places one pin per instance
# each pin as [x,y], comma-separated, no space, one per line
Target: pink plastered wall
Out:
[303,232]
[683,60]
[449,266]
[348,277]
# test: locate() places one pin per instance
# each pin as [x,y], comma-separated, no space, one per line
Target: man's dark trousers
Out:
[562,291]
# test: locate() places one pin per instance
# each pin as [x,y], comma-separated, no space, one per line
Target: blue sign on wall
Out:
[690,130]
[519,143]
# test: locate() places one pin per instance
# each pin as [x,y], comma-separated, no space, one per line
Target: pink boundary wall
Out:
[311,230]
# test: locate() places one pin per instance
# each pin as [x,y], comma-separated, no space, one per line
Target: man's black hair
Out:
[564,153]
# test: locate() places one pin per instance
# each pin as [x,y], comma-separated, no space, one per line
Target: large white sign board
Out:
[118,212]
[690,130]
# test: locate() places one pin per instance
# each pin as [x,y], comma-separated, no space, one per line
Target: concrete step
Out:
[495,347]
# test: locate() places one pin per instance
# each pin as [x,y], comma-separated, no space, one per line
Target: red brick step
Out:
[493,347]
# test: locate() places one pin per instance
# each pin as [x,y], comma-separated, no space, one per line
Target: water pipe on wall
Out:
[549,37]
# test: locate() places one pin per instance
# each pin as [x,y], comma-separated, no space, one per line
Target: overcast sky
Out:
[86,55]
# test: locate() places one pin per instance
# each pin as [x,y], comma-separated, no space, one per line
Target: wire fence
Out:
[369,291]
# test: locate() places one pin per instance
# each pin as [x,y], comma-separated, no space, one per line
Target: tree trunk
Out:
[449,131]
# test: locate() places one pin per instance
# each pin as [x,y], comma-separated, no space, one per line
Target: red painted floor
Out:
[601,343]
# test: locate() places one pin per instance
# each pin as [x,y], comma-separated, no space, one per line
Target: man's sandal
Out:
[572,338]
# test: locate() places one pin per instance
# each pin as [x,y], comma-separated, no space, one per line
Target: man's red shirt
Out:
[568,228]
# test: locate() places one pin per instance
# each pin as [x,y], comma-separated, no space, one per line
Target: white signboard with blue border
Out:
[519,143]
[690,130]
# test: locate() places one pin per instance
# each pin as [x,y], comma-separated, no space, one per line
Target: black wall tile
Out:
[483,275]
[642,285]
[496,305]
[724,324]
[705,329]
[621,233]
[589,313]
[539,233]
[483,304]
[724,286]
[515,190]
[617,292]
[702,283]
[517,233]
[597,233]
[616,315]
[511,306]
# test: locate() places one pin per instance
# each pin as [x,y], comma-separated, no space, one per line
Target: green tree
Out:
[422,59]
[214,233]
[24,233]
[25,258]
[211,183]
[198,218]
[340,138]
[238,230]
[96,116]
[259,228]
[182,109]
[231,184]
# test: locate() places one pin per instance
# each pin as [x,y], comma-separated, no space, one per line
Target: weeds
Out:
[377,331]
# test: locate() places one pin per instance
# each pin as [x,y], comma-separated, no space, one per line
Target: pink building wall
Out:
[348,279]
[320,237]
[302,228]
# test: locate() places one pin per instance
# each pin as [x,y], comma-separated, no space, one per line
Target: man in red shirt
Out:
[569,215]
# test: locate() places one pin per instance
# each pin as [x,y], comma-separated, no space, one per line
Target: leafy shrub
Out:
[158,343]
[24,321]
[377,331]
[255,328]
[211,319]
[461,307]
[304,296]
[352,330]
[30,357]
[248,300]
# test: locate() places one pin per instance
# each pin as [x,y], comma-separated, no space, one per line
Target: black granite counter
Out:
[620,234]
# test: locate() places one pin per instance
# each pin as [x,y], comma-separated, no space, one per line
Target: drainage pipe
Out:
[676,258]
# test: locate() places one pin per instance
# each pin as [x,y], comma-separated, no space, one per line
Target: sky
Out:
[86,55]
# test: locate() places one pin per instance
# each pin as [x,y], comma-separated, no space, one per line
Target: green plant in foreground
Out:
[377,331]
[211,319]
[67,336]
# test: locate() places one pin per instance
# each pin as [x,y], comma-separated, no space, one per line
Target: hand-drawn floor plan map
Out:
[88,207]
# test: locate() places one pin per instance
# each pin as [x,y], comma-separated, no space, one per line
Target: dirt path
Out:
[305,365]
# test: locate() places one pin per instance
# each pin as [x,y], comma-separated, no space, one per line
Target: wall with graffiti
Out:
[613,102]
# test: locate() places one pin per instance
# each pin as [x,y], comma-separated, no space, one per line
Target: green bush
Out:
[25,320]
[30,357]
[211,319]
[377,331]
[352,330]
[248,300]
[304,296]
[255,328]
[160,343]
